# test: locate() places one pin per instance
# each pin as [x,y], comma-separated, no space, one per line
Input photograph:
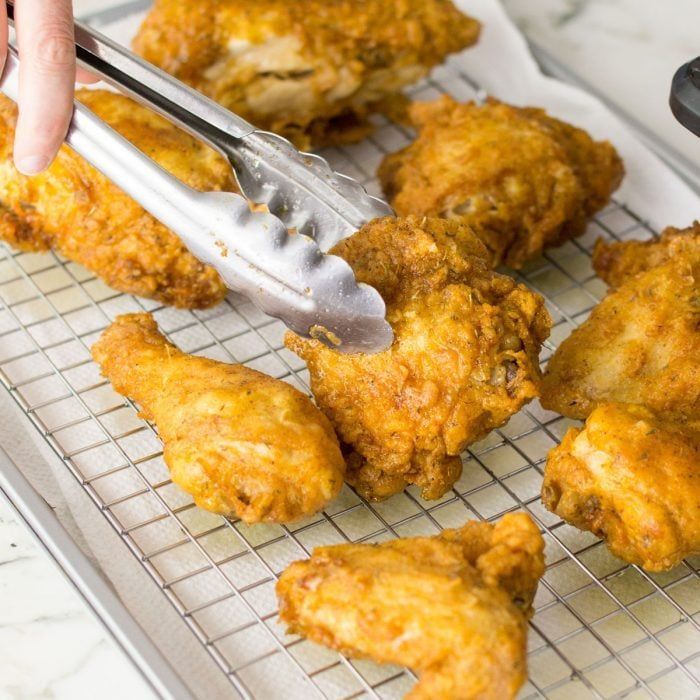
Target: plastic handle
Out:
[685,96]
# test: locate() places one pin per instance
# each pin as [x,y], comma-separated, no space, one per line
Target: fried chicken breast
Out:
[464,357]
[311,71]
[615,263]
[523,180]
[633,478]
[640,345]
[452,607]
[75,210]
[240,442]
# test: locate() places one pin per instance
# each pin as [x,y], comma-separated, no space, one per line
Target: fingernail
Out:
[31,165]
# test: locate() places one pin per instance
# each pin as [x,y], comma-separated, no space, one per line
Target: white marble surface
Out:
[628,49]
[51,645]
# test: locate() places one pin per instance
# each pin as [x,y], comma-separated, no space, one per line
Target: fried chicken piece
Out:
[311,71]
[452,607]
[464,357]
[75,210]
[523,180]
[640,345]
[633,478]
[615,263]
[240,442]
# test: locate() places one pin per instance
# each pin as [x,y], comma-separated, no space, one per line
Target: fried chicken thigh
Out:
[464,357]
[615,263]
[640,345]
[523,180]
[633,478]
[240,442]
[311,71]
[77,211]
[452,607]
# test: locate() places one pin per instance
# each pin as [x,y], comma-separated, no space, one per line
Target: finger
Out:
[83,76]
[3,35]
[47,78]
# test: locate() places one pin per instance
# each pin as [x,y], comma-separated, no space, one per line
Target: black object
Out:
[685,95]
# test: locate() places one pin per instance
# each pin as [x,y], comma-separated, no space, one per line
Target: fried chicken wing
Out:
[523,180]
[633,478]
[615,263]
[311,71]
[75,210]
[640,345]
[240,442]
[451,607]
[464,357]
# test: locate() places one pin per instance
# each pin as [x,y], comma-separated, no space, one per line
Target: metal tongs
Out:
[276,259]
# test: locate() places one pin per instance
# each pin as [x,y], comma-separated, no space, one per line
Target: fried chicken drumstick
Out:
[523,180]
[311,71]
[452,607]
[640,345]
[75,210]
[633,478]
[240,442]
[464,357]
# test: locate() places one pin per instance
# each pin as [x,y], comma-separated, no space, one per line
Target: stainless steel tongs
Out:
[284,273]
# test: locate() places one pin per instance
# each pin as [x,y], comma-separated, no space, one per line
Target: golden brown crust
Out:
[452,607]
[240,442]
[640,345]
[312,70]
[464,358]
[632,478]
[615,263]
[75,210]
[523,180]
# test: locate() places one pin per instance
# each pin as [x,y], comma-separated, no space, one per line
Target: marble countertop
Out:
[52,646]
[627,49]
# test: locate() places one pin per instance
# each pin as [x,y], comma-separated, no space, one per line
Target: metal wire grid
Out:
[601,628]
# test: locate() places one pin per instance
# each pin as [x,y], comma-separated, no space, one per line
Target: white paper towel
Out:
[501,62]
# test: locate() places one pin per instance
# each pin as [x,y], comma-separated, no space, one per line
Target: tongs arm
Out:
[197,114]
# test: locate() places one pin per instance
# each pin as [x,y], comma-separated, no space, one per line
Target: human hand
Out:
[46,79]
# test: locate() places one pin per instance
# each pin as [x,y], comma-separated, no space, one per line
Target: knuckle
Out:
[55,51]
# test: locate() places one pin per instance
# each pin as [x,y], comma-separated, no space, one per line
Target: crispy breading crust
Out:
[240,442]
[453,607]
[311,71]
[523,180]
[633,478]
[75,210]
[640,345]
[615,263]
[464,357]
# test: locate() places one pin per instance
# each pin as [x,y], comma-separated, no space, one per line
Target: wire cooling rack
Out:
[601,629]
